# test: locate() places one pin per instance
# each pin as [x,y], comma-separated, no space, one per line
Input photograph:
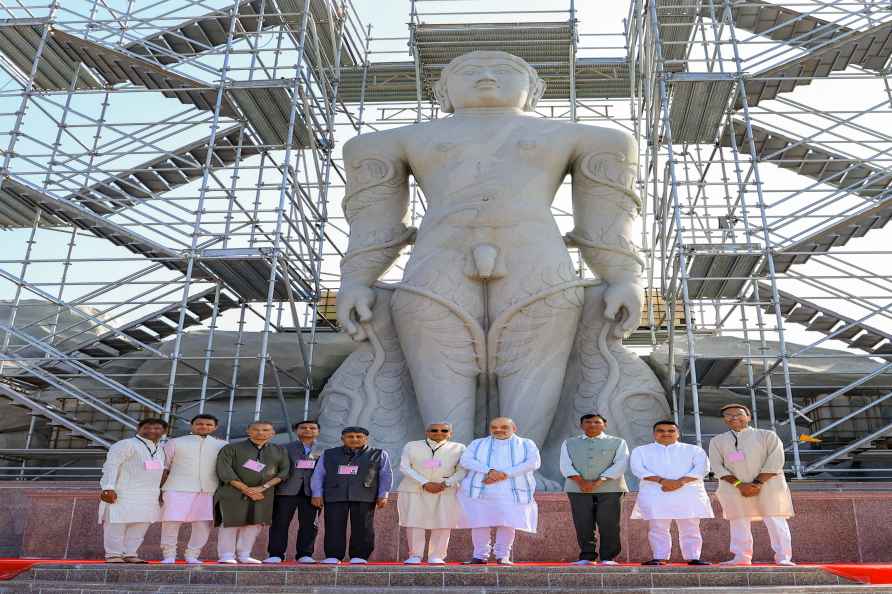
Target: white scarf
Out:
[519,450]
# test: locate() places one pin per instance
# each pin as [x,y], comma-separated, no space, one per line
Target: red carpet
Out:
[864,573]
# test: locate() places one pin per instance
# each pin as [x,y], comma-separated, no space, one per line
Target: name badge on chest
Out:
[432,463]
[254,465]
[736,456]
[305,464]
[348,469]
[154,465]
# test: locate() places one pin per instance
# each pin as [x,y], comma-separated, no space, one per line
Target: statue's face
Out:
[492,82]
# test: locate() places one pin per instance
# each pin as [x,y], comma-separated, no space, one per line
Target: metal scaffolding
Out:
[171,185]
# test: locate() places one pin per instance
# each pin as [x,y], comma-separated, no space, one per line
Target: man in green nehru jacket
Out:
[593,464]
[248,471]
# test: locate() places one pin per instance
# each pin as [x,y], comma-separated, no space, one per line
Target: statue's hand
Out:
[354,307]
[622,304]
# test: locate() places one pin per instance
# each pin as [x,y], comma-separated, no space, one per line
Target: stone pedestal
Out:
[59,521]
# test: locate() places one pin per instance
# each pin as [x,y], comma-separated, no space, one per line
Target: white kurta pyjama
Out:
[137,487]
[429,462]
[670,462]
[497,504]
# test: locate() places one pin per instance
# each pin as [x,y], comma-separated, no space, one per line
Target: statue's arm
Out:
[375,206]
[605,215]
[606,207]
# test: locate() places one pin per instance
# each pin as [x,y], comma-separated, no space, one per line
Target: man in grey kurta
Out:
[248,470]
[593,464]
[749,464]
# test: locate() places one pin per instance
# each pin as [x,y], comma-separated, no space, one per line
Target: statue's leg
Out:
[437,338]
[532,349]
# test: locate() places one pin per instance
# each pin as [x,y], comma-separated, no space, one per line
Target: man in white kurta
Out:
[187,488]
[131,483]
[498,490]
[749,464]
[428,492]
[671,488]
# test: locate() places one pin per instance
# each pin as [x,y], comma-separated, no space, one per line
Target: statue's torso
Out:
[490,180]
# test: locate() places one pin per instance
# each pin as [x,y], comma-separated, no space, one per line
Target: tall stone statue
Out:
[490,318]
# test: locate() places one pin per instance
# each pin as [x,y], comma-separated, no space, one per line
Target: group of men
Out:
[486,486]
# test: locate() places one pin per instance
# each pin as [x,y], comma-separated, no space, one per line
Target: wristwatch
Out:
[756,481]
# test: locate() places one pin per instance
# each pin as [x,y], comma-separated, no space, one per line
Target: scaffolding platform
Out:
[720,271]
[20,40]
[698,104]
[267,105]
[247,272]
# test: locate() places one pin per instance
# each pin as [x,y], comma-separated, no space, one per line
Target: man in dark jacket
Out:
[352,480]
[294,495]
[248,470]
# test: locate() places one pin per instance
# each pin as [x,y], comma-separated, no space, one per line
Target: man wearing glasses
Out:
[428,492]
[749,464]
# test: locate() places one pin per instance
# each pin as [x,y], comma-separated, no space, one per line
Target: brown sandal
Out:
[134,560]
[114,560]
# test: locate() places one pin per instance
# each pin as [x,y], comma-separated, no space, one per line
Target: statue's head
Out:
[488,79]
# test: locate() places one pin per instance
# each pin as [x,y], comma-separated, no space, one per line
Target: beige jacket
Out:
[761,451]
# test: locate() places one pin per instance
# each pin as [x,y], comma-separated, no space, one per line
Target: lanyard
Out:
[259,450]
[734,437]
[434,450]
[148,449]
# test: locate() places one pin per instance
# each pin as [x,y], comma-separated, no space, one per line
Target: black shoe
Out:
[475,561]
[698,562]
[656,562]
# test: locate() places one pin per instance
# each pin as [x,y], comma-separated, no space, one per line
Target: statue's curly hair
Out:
[537,85]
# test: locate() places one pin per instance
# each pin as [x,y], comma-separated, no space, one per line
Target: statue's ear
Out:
[442,96]
[537,89]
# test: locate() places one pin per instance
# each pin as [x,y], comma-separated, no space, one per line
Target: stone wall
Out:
[854,524]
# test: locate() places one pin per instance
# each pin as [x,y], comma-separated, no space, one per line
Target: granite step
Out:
[56,587]
[401,578]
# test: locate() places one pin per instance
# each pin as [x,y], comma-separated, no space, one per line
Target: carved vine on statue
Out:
[491,317]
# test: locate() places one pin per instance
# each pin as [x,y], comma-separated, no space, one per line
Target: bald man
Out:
[497,491]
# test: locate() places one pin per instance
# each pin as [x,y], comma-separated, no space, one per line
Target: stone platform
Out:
[836,524]
[380,579]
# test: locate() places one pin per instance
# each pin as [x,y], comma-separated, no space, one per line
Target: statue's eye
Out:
[471,71]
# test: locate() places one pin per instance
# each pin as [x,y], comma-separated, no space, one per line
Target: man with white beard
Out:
[498,490]
[671,475]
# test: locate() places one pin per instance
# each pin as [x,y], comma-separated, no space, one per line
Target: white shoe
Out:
[582,562]
[435,561]
[737,561]
[358,561]
[609,562]
[330,561]
[306,560]
[505,561]
[786,562]
[412,561]
[169,561]
[273,560]
[249,561]
[193,561]
[229,560]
